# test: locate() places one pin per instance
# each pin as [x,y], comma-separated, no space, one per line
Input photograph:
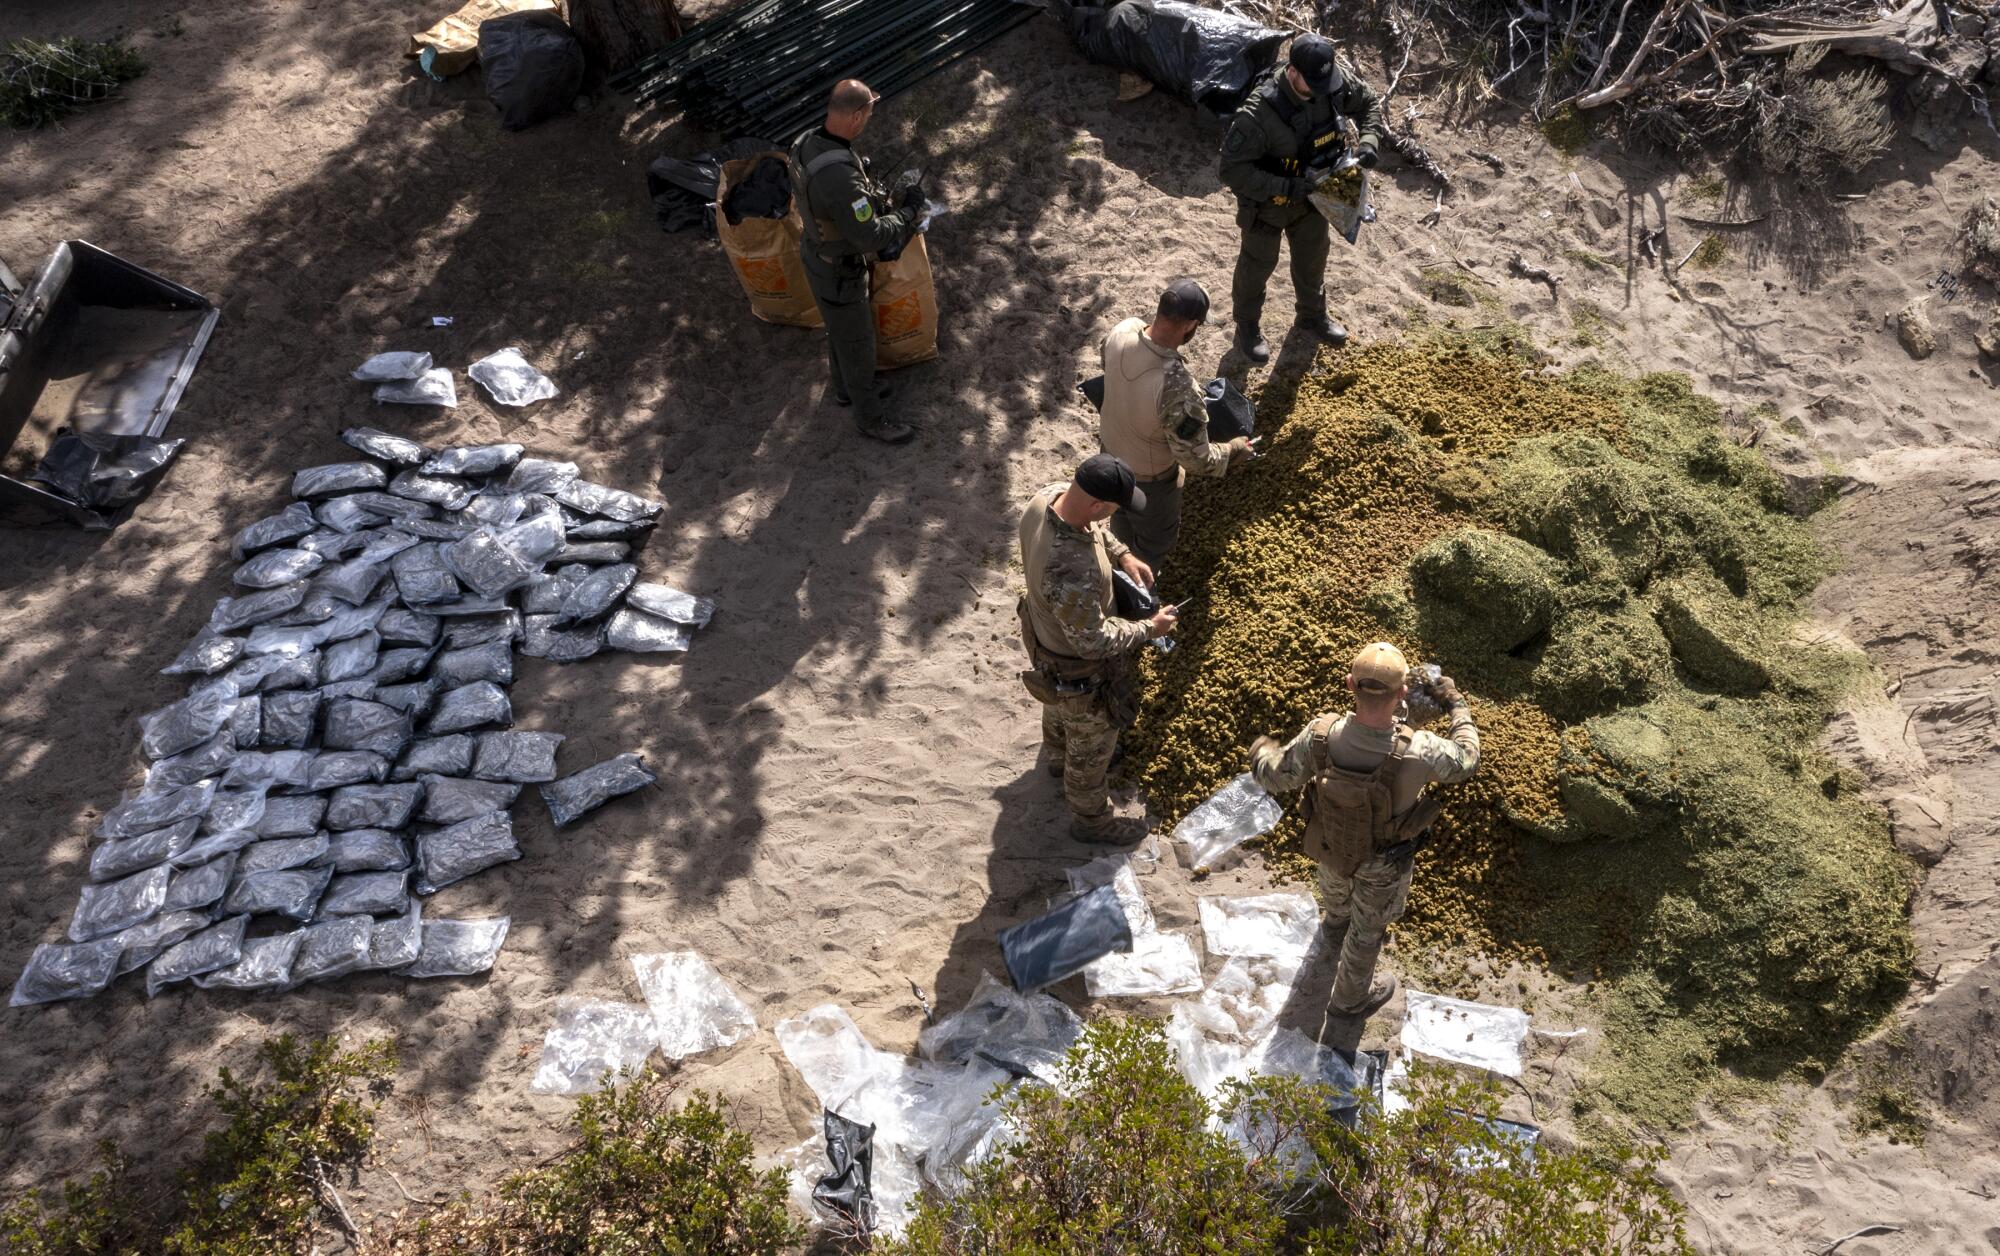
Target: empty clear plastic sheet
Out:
[1212,833]
[669,603]
[66,970]
[510,380]
[217,946]
[1261,924]
[585,791]
[454,853]
[693,1010]
[591,1041]
[1027,1035]
[458,948]
[1477,1035]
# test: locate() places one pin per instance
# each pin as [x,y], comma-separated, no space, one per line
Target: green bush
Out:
[641,1177]
[42,83]
[262,1180]
[98,1216]
[1118,1156]
[1124,1155]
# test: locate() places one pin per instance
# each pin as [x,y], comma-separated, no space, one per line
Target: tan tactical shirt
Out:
[1359,748]
[1154,416]
[1069,583]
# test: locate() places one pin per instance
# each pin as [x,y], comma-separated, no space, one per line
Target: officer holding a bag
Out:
[1285,138]
[1368,808]
[845,219]
[1082,671]
[1155,419]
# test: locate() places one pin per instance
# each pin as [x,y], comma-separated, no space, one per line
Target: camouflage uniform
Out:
[1162,437]
[1360,908]
[1078,646]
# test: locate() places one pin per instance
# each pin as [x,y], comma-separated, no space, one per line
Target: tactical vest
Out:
[1350,814]
[1309,146]
[1039,625]
[1135,374]
[819,232]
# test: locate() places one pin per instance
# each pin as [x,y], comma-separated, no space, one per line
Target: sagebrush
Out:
[44,82]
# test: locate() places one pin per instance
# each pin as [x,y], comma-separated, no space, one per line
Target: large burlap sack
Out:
[456,38]
[764,253]
[906,314]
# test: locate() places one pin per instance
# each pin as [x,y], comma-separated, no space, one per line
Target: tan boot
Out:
[1357,992]
[1109,829]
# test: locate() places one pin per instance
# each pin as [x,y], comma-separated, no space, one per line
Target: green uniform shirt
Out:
[843,211]
[1275,136]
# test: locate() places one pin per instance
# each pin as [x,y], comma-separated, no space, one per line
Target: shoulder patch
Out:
[863,209]
[1236,141]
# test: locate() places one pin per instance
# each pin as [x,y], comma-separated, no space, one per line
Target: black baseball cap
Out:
[1312,57]
[1184,298]
[1108,479]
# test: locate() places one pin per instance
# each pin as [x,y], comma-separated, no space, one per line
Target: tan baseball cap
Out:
[1380,668]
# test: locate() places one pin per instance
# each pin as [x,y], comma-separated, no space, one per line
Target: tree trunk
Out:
[616,33]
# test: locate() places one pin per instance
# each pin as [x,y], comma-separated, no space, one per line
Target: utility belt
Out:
[1172,475]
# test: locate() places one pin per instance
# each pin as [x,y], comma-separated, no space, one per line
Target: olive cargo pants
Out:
[1151,534]
[1364,906]
[1079,734]
[1309,239]
[842,299]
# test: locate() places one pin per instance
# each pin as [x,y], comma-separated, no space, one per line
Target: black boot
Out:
[888,431]
[1251,342]
[1323,327]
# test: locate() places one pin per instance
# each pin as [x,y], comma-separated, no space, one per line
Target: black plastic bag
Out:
[104,471]
[766,193]
[844,1191]
[1130,599]
[683,191]
[1230,413]
[533,66]
[1045,950]
[1202,56]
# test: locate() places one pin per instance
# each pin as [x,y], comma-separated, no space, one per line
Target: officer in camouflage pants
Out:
[1081,652]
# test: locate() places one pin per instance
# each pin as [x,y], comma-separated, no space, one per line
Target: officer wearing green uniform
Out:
[846,218]
[1283,139]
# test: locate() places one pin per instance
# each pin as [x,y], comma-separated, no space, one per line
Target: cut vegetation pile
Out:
[1616,586]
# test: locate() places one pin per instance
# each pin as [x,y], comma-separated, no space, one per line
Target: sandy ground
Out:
[849,799]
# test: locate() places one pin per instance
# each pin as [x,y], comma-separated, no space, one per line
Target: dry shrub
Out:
[1822,125]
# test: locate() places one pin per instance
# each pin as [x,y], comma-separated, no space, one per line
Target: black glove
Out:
[909,190]
[1367,157]
[1298,189]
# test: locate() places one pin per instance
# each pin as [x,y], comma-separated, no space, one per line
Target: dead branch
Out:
[1863,1232]
[334,1203]
[1901,38]
[1721,222]
[1518,265]
[1690,253]
[1499,166]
